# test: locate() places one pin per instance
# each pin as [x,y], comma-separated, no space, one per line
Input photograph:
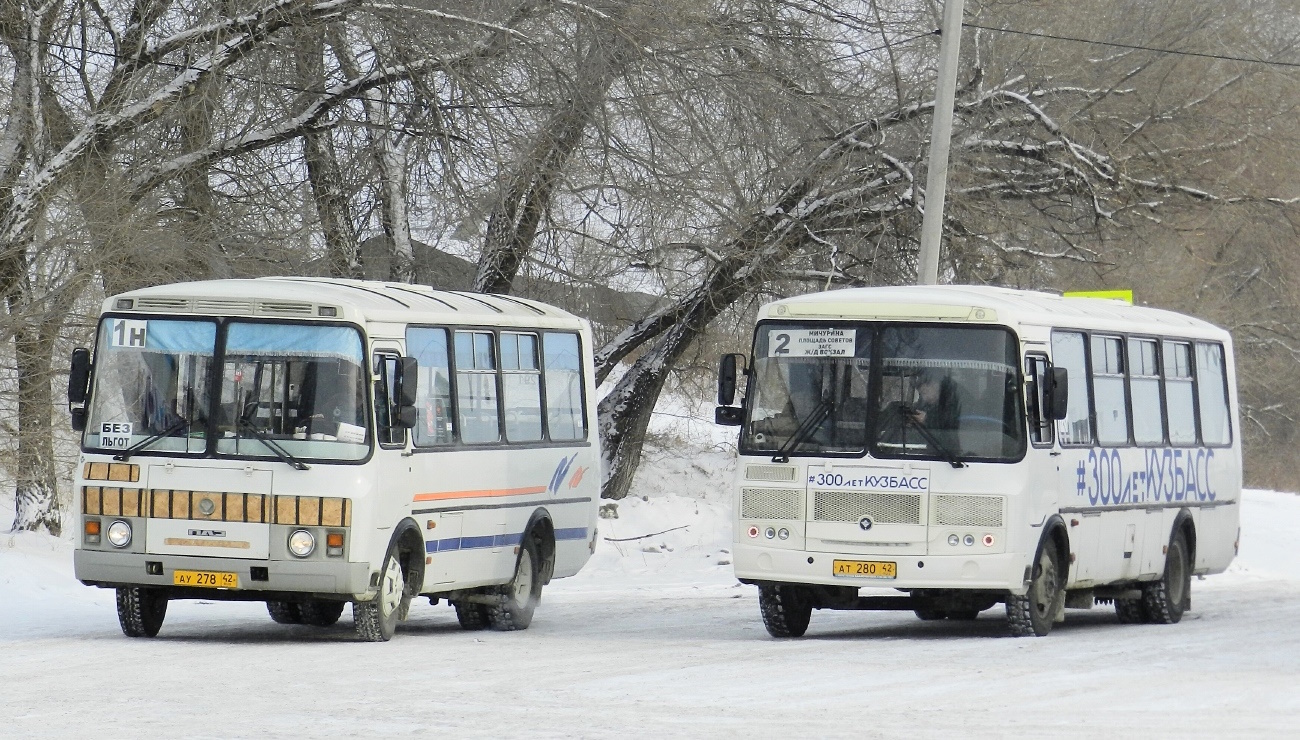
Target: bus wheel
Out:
[1131,611]
[284,612]
[376,620]
[470,615]
[930,615]
[786,609]
[321,613]
[1033,613]
[140,611]
[1166,599]
[964,615]
[519,597]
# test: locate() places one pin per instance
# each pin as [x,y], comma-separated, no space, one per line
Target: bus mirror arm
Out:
[1058,394]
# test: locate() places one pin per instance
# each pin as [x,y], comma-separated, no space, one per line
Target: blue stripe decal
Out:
[501,540]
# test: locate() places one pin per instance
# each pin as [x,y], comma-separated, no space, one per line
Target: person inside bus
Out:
[938,402]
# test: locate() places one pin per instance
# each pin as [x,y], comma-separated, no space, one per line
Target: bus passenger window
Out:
[1178,393]
[476,387]
[1068,351]
[433,424]
[1144,387]
[1108,384]
[1211,392]
[521,387]
[564,401]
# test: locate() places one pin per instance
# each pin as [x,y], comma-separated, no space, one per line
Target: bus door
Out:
[396,472]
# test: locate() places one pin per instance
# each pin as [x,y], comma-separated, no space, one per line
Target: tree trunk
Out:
[512,225]
[36,500]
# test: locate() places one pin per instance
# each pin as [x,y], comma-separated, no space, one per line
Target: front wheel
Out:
[376,620]
[141,611]
[1165,600]
[786,609]
[1034,613]
[519,597]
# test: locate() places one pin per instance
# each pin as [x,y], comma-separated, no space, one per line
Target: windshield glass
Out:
[300,386]
[949,392]
[151,378]
[810,389]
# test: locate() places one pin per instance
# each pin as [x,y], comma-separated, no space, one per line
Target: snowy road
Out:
[658,643]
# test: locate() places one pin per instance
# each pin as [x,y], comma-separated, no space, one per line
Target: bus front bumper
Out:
[993,572]
[115,569]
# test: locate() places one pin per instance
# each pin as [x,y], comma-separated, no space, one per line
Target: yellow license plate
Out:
[205,579]
[865,569]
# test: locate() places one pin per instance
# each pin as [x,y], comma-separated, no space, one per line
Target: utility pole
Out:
[936,176]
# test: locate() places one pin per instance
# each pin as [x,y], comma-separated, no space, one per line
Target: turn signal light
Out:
[334,539]
[92,526]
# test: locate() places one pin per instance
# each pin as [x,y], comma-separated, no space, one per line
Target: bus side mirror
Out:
[408,387]
[1058,394]
[78,387]
[79,375]
[727,378]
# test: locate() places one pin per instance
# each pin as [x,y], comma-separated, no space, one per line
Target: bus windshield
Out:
[299,388]
[949,393]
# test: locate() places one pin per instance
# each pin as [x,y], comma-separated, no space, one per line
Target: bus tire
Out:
[786,609]
[376,620]
[1131,611]
[964,615]
[472,617]
[519,597]
[1165,600]
[284,612]
[320,613]
[930,615]
[141,611]
[1033,613]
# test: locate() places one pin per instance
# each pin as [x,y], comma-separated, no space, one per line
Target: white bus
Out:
[312,442]
[971,445]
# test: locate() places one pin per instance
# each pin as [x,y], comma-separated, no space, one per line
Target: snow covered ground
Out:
[655,638]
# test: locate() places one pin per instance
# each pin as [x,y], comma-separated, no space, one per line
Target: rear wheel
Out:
[964,615]
[284,612]
[519,597]
[141,611]
[376,620]
[1034,613]
[321,613]
[786,609]
[470,615]
[1131,611]
[930,615]
[1165,600]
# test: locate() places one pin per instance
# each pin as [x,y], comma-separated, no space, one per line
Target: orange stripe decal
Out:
[444,495]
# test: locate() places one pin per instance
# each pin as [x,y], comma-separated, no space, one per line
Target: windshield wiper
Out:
[908,418]
[124,455]
[279,451]
[814,420]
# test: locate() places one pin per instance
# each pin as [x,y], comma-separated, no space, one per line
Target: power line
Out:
[1135,47]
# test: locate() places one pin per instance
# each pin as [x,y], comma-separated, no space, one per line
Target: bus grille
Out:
[771,503]
[968,511]
[852,506]
[769,472]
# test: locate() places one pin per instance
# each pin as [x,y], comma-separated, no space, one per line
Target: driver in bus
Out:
[938,403]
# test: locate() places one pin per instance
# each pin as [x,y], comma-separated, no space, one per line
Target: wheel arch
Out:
[541,529]
[1056,533]
[408,541]
[1186,523]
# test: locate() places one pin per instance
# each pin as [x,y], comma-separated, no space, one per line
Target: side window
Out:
[386,367]
[1144,389]
[433,406]
[1178,393]
[1040,427]
[562,367]
[1211,393]
[1070,352]
[521,387]
[476,387]
[1108,385]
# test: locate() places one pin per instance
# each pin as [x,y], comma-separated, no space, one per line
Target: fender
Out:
[1184,519]
[409,531]
[541,526]
[1054,525]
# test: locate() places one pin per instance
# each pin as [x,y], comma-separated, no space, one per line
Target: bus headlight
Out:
[301,543]
[119,533]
